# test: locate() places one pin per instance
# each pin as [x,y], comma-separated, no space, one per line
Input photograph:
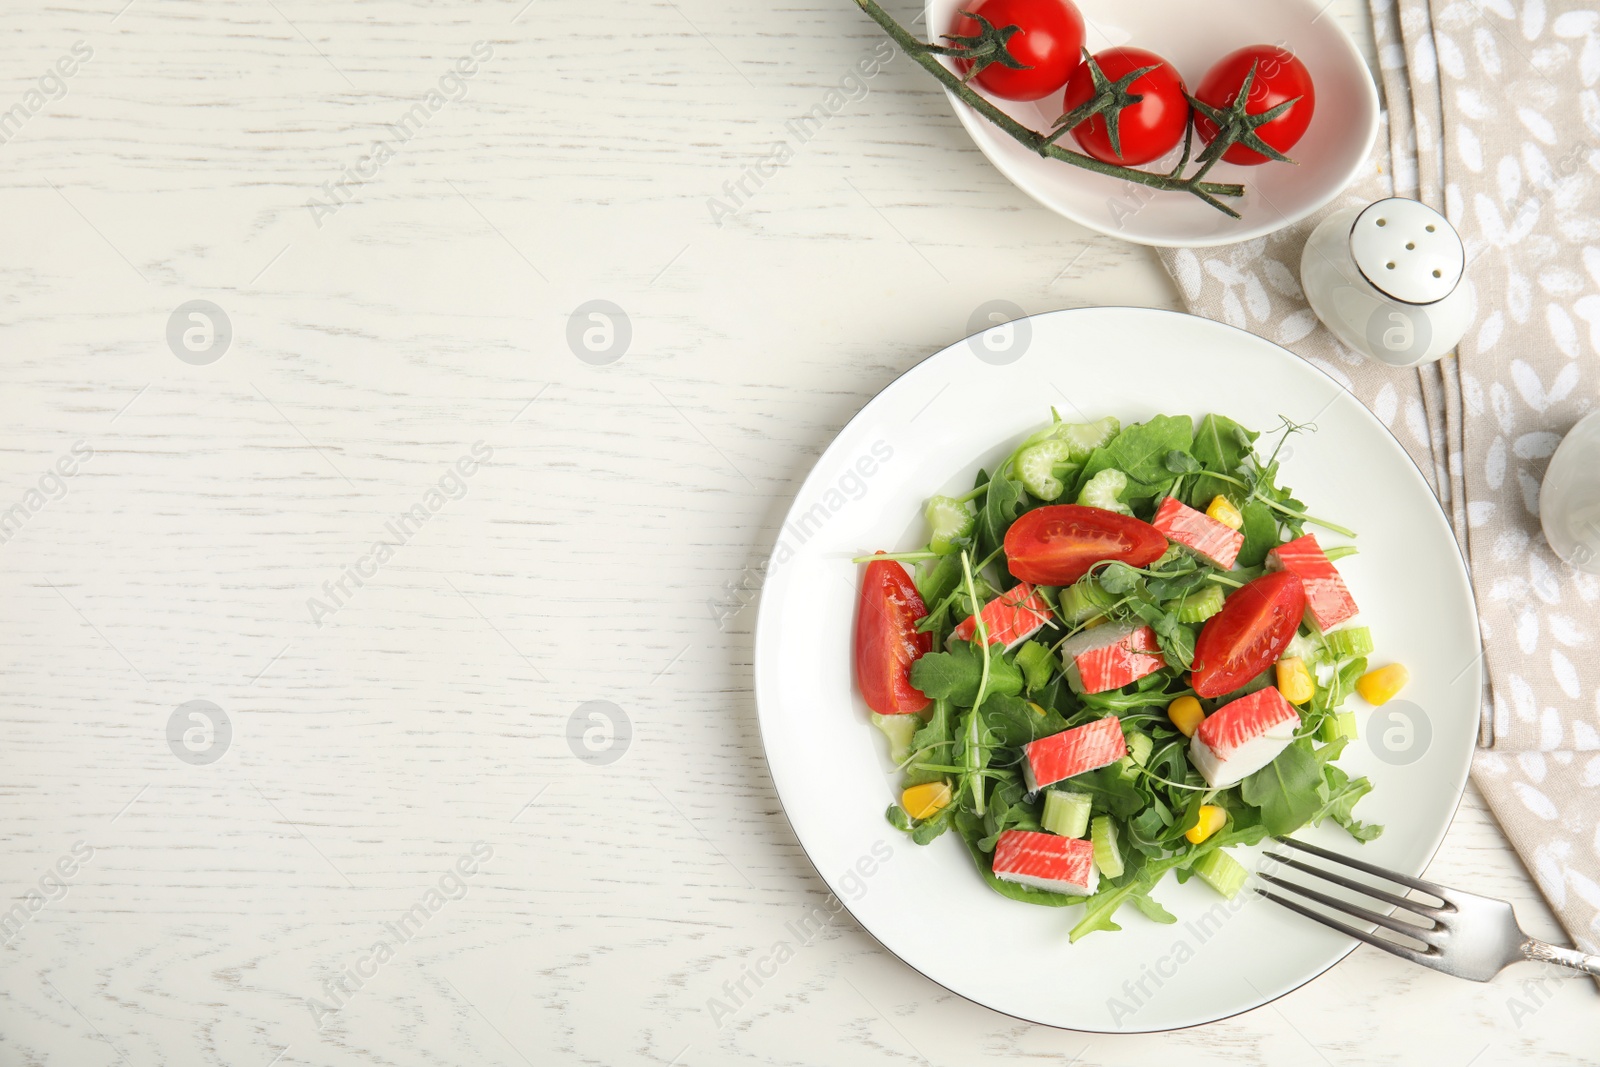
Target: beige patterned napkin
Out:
[1493,112]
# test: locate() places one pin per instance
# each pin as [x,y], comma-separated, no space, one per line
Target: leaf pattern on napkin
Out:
[1493,116]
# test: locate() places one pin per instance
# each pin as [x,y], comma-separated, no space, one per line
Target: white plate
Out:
[1338,141]
[929,432]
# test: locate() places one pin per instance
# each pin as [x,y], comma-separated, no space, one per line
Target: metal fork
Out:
[1465,935]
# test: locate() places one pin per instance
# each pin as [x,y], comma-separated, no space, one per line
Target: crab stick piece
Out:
[1046,861]
[1010,618]
[1110,657]
[1198,533]
[1070,752]
[1242,736]
[1327,598]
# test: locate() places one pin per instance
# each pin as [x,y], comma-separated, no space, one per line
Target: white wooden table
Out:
[195,900]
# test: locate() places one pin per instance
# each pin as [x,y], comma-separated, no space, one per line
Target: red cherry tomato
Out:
[1049,41]
[1280,76]
[1057,545]
[1249,634]
[887,642]
[1149,129]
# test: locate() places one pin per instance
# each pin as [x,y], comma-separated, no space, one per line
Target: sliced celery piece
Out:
[1103,836]
[1308,649]
[1339,724]
[1085,437]
[1221,872]
[949,520]
[1066,813]
[899,730]
[1199,605]
[1350,642]
[1084,600]
[1040,466]
[1104,491]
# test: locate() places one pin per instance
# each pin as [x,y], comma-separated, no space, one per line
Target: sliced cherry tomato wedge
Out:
[1048,42]
[887,641]
[1248,635]
[1280,77]
[1057,545]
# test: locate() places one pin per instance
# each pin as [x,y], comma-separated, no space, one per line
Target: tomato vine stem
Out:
[926,56]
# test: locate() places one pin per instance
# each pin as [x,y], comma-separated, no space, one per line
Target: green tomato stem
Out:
[923,55]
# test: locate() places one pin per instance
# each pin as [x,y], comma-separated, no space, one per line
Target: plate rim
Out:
[763,621]
[971,122]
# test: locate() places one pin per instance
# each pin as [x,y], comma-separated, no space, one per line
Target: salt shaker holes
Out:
[1385,279]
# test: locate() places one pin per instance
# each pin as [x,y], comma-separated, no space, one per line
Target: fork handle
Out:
[1543,952]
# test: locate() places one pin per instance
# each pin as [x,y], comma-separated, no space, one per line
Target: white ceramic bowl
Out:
[1340,137]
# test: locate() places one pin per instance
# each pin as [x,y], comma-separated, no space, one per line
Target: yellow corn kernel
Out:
[924,801]
[1294,680]
[1037,710]
[1098,620]
[1379,686]
[1186,714]
[1211,820]
[1223,511]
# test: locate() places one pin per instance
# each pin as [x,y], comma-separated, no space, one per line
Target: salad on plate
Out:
[1122,653]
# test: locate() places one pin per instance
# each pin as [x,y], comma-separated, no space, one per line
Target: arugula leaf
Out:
[954,675]
[1260,534]
[1176,641]
[1141,451]
[1286,790]
[1221,445]
[1177,584]
[1341,793]
[1152,909]
[1099,908]
[1002,504]
[1338,793]
[1117,701]
[1151,822]
[1182,463]
[1013,722]
[933,742]
[1113,791]
[1008,810]
[1117,578]
[928,829]
[1037,664]
[939,581]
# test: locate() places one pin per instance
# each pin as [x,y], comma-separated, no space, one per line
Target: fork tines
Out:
[1430,935]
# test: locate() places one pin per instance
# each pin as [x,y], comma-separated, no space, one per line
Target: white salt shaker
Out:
[1569,501]
[1386,279]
